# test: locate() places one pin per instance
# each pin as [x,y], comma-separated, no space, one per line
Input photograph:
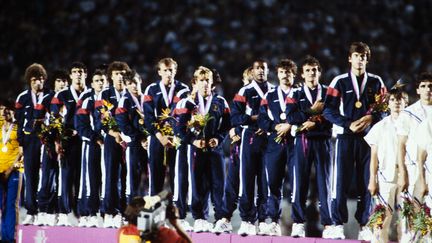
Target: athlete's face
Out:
[132,87]
[203,85]
[78,77]
[358,61]
[167,73]
[60,84]
[117,78]
[36,83]
[425,91]
[98,82]
[285,76]
[260,71]
[311,75]
[396,105]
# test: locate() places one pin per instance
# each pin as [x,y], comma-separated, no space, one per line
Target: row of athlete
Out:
[264,145]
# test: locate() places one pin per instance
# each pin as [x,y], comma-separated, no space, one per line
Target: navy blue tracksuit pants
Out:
[306,152]
[352,155]
[136,163]
[111,176]
[47,196]
[69,176]
[9,194]
[32,156]
[278,161]
[232,181]
[157,168]
[252,169]
[181,181]
[88,197]
[207,174]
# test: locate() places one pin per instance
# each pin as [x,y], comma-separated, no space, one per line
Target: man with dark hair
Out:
[131,123]
[278,154]
[35,75]
[64,104]
[312,144]
[111,175]
[47,196]
[245,110]
[347,106]
[159,96]
[92,143]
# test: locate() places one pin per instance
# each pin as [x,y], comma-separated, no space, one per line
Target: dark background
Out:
[226,35]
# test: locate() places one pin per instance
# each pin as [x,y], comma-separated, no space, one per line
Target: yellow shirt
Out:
[8,155]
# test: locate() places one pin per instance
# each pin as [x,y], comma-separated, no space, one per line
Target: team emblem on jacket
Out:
[215,107]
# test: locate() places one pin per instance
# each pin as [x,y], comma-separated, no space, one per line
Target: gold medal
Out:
[4,149]
[358,104]
[283,116]
[141,121]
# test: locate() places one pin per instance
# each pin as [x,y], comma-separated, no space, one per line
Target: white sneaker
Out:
[365,234]
[29,219]
[50,219]
[274,229]
[108,221]
[63,220]
[222,226]
[298,230]
[83,221]
[118,221]
[92,221]
[246,228]
[201,225]
[327,232]
[39,219]
[263,229]
[338,232]
[185,225]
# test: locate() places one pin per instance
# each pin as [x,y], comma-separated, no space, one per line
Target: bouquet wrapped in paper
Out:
[55,133]
[164,126]
[380,105]
[107,119]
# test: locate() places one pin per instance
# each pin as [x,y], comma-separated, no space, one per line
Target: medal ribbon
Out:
[204,109]
[258,89]
[6,134]
[356,87]
[309,95]
[167,98]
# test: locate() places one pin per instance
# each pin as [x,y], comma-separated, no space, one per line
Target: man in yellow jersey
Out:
[10,174]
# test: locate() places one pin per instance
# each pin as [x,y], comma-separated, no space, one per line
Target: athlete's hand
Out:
[199,143]
[403,181]
[213,142]
[308,125]
[282,129]
[166,141]
[373,186]
[259,132]
[318,106]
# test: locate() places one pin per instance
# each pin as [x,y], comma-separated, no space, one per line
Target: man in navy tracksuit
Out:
[347,106]
[159,96]
[278,154]
[312,144]
[35,75]
[131,123]
[47,195]
[232,181]
[64,104]
[245,111]
[112,151]
[92,141]
[205,155]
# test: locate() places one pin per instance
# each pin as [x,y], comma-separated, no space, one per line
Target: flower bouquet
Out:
[380,105]
[107,118]
[422,223]
[164,126]
[54,134]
